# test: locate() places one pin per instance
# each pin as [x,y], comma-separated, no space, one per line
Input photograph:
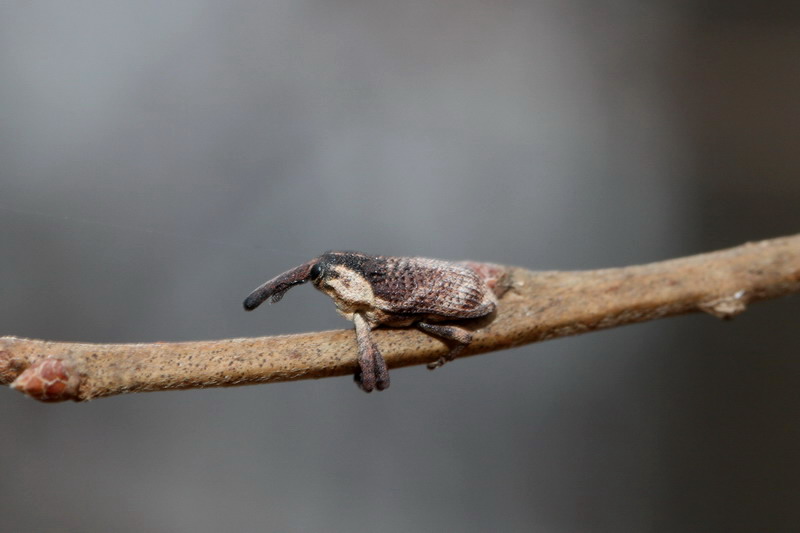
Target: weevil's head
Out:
[343,277]
[333,273]
[333,265]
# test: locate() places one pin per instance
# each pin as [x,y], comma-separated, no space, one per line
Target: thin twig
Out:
[538,306]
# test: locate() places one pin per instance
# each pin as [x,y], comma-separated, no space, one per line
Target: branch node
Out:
[49,380]
[726,307]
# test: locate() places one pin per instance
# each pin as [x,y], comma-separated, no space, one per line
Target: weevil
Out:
[373,290]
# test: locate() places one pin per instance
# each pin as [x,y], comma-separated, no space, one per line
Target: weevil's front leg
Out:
[462,336]
[373,373]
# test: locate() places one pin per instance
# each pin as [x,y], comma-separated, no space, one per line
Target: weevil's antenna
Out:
[276,287]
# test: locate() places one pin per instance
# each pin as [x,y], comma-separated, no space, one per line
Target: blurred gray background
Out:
[158,160]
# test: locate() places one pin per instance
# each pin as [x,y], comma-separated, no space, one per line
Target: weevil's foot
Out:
[375,377]
[365,382]
[460,336]
[452,354]
[436,364]
[381,373]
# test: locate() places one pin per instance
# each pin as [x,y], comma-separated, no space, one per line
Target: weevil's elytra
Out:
[375,290]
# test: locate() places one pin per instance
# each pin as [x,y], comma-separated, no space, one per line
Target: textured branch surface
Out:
[537,306]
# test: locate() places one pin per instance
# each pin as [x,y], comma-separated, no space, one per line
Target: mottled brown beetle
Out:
[393,291]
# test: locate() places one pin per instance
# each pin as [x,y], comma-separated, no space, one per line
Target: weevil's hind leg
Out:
[373,373]
[459,335]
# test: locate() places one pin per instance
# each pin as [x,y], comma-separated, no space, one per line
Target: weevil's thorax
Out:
[343,280]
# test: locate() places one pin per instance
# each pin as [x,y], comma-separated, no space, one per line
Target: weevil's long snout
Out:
[276,287]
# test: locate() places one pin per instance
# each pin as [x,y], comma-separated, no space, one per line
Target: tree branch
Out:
[537,306]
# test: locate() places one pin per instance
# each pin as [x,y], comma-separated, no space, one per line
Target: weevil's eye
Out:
[316,272]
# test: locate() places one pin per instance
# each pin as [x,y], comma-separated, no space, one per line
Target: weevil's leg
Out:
[462,336]
[373,373]
[381,371]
